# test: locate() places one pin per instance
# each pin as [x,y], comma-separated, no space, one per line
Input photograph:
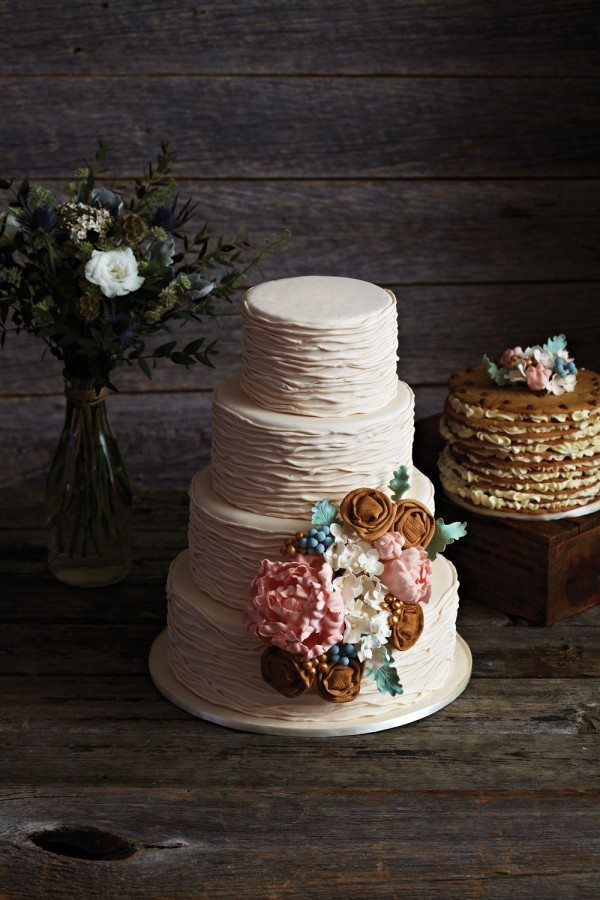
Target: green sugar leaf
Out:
[444,535]
[497,374]
[324,513]
[386,678]
[399,483]
[556,343]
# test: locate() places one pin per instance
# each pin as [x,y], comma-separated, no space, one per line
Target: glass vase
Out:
[89,501]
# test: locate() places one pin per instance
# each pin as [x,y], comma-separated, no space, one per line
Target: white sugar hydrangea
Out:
[349,552]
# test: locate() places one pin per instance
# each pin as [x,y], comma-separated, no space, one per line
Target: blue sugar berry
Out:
[320,548]
[347,649]
[302,542]
[320,536]
[572,368]
[312,532]
[344,661]
[312,542]
[328,541]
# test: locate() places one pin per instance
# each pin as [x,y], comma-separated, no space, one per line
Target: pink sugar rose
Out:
[408,577]
[506,359]
[389,546]
[537,377]
[295,607]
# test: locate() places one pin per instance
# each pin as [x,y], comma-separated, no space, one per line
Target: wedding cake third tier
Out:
[313,589]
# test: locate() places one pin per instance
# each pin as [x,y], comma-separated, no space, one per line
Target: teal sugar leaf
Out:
[324,513]
[496,373]
[556,343]
[444,535]
[399,483]
[386,678]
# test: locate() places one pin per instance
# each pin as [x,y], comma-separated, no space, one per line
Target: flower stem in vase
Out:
[88,495]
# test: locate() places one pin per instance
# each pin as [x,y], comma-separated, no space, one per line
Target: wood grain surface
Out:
[495,796]
[332,37]
[311,128]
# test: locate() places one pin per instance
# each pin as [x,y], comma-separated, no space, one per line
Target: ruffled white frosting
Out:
[212,654]
[319,346]
[277,464]
[228,543]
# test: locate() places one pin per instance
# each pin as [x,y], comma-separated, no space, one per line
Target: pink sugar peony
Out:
[408,577]
[537,377]
[506,359]
[389,546]
[294,606]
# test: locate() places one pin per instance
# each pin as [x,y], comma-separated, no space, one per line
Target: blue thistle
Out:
[122,329]
[163,218]
[43,219]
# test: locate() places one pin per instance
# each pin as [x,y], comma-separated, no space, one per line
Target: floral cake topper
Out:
[348,592]
[541,368]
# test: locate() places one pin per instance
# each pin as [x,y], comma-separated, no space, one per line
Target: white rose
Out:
[11,226]
[114,271]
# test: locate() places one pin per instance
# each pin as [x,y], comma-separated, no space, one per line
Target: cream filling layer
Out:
[587,446]
[519,479]
[227,544]
[513,499]
[319,346]
[276,464]
[212,654]
[480,412]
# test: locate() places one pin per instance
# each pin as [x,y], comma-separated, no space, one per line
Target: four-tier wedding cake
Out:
[301,585]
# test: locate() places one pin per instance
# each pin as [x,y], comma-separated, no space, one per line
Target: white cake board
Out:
[522,516]
[173,690]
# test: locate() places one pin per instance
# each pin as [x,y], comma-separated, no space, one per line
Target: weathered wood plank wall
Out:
[447,149]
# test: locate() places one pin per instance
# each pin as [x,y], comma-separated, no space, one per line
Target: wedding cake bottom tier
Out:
[211,653]
[227,544]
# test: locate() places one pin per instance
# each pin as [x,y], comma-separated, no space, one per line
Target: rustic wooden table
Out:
[108,790]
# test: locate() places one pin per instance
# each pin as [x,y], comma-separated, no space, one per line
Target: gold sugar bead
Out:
[323,667]
[323,657]
[290,550]
[394,620]
[299,534]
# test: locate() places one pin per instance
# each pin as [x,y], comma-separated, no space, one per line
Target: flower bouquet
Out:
[548,367]
[95,275]
[347,598]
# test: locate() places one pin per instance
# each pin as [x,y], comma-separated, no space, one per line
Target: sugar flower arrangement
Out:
[348,593]
[541,368]
[96,273]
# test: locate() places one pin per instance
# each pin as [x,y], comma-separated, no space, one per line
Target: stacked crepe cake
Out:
[523,435]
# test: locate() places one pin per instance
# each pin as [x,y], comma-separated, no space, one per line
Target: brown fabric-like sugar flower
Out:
[414,522]
[133,228]
[369,512]
[340,684]
[406,622]
[286,673]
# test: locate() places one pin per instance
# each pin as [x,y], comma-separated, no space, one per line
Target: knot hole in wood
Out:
[83,842]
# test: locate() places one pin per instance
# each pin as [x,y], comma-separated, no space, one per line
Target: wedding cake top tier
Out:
[319,346]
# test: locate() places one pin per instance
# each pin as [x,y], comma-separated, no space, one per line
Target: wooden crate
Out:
[542,571]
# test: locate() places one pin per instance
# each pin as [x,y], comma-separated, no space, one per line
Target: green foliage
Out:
[386,677]
[444,535]
[497,374]
[324,513]
[188,278]
[399,483]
